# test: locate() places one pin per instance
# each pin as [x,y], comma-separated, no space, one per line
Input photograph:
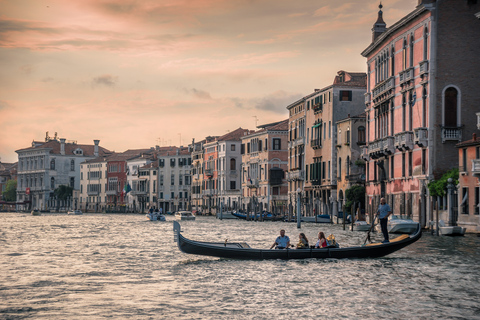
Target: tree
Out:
[438,188]
[354,194]
[63,192]
[10,193]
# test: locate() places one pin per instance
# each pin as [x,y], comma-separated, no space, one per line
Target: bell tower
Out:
[380,26]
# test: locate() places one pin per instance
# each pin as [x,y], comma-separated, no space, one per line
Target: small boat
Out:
[400,225]
[155,216]
[320,218]
[35,212]
[225,215]
[241,250]
[266,216]
[450,230]
[361,226]
[74,212]
[184,215]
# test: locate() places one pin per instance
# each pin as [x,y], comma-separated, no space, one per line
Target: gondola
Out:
[244,251]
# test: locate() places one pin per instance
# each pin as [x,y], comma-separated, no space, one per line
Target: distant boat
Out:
[361,226]
[451,230]
[184,215]
[155,216]
[35,212]
[74,212]
[226,215]
[241,250]
[320,218]
[401,225]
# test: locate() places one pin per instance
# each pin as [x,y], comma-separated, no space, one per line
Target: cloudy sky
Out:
[140,73]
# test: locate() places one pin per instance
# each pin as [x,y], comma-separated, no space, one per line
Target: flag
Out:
[127,188]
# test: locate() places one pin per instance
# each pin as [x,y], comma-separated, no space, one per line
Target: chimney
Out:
[95,149]
[62,146]
[474,136]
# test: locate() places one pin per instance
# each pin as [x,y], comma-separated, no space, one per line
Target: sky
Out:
[140,73]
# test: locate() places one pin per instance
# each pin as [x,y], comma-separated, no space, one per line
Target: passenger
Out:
[302,241]
[322,241]
[282,241]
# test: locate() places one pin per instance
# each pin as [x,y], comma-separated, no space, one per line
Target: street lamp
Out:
[299,215]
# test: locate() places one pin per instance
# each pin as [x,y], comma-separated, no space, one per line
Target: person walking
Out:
[383,212]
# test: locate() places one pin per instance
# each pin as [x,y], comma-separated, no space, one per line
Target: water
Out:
[57,266]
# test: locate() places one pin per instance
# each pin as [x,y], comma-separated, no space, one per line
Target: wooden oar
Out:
[370,230]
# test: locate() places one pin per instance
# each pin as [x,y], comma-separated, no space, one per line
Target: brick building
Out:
[422,88]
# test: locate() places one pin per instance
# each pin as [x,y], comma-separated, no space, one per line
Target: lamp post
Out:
[299,207]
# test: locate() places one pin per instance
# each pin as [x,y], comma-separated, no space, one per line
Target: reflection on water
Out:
[123,266]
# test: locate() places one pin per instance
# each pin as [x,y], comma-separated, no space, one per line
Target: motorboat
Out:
[241,250]
[74,212]
[184,215]
[450,230]
[35,212]
[361,226]
[266,216]
[319,218]
[401,225]
[155,216]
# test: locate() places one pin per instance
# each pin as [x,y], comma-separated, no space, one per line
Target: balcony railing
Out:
[383,87]
[316,143]
[423,67]
[381,147]
[451,134]
[367,97]
[476,166]
[421,136]
[297,142]
[404,140]
[406,75]
[296,175]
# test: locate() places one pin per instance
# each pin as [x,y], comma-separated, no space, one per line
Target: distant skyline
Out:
[135,74]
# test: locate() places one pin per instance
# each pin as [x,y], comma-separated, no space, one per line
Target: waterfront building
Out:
[8,171]
[468,190]
[196,149]
[322,109]
[422,88]
[210,175]
[46,165]
[351,137]
[136,197]
[264,164]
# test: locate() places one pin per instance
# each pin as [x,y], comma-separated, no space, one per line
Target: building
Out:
[469,184]
[196,149]
[46,165]
[318,161]
[422,88]
[264,164]
[351,137]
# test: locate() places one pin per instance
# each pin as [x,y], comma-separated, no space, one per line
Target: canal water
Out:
[93,266]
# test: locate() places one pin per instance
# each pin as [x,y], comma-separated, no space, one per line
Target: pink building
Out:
[422,86]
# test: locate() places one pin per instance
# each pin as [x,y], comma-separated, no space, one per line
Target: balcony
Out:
[296,175]
[209,173]
[233,174]
[297,142]
[252,183]
[478,120]
[367,97]
[423,67]
[421,137]
[451,134]
[365,155]
[476,167]
[209,192]
[406,76]
[111,192]
[316,143]
[404,140]
[381,147]
[383,88]
[93,193]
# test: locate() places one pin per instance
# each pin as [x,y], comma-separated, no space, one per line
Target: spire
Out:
[380,26]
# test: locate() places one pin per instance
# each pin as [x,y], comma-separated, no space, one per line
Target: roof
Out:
[475,141]
[235,135]
[350,79]
[54,145]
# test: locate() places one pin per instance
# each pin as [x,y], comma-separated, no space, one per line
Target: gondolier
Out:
[282,241]
[383,212]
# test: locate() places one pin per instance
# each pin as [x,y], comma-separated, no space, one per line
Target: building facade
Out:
[422,87]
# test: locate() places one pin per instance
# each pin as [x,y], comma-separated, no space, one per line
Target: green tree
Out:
[354,194]
[438,188]
[63,192]
[10,193]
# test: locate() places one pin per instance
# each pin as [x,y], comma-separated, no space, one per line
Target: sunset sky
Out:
[140,73]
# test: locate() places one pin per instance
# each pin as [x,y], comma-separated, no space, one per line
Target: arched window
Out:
[450,107]
[425,43]
[52,183]
[72,165]
[340,168]
[424,106]
[404,110]
[404,54]
[347,166]
[233,164]
[361,134]
[411,50]
[52,164]
[393,61]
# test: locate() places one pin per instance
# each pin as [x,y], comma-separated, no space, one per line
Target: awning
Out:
[317,125]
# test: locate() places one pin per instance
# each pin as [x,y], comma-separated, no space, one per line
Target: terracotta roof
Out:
[54,145]
[235,135]
[282,126]
[475,141]
[350,79]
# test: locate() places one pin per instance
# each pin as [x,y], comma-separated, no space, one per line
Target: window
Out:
[347,166]
[393,61]
[52,183]
[180,180]
[329,129]
[464,160]
[172,195]
[392,175]
[180,195]
[476,204]
[72,182]
[276,144]
[425,43]
[450,103]
[161,195]
[72,165]
[52,164]
[410,163]
[465,201]
[404,54]
[172,179]
[403,164]
[345,95]
[424,161]
[172,162]
[477,153]
[424,106]
[232,147]
[233,185]
[404,111]
[410,110]
[161,163]
[347,136]
[233,164]
[160,178]
[339,168]
[361,135]
[411,50]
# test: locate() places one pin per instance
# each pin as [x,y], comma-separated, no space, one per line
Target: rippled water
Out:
[123,266]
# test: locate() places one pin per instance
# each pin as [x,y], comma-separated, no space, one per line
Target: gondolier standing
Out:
[383,212]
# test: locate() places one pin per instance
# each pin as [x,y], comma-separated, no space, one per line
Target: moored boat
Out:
[401,225]
[241,250]
[74,212]
[451,230]
[184,215]
[361,226]
[319,218]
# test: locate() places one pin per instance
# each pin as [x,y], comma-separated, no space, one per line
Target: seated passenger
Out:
[302,241]
[282,241]
[322,241]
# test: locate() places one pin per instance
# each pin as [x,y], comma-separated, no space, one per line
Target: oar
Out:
[370,230]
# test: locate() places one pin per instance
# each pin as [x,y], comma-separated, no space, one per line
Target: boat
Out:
[184,215]
[225,215]
[401,225]
[74,212]
[266,216]
[450,230]
[35,212]
[155,216]
[320,218]
[361,226]
[241,250]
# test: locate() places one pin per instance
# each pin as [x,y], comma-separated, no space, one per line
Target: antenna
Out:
[256,120]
